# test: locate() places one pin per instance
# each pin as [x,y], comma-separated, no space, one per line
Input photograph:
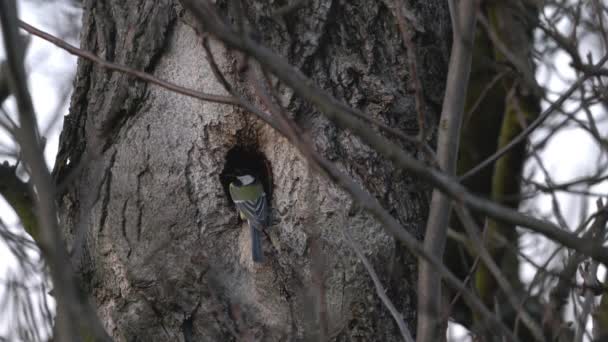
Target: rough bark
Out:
[149,224]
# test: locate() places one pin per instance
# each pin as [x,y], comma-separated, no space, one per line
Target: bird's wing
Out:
[254,211]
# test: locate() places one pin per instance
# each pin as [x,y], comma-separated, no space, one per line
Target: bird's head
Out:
[244,180]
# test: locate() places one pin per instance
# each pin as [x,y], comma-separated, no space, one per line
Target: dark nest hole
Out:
[242,160]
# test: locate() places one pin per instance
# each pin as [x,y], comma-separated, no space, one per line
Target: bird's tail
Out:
[256,244]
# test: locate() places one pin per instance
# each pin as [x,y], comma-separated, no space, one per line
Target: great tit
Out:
[250,200]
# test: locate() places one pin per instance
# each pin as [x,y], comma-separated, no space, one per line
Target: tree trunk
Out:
[149,224]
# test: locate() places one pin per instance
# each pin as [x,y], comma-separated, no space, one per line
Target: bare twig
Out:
[129,71]
[524,70]
[482,96]
[289,129]
[589,274]
[535,124]
[207,16]
[559,293]
[405,332]
[193,93]
[443,182]
[29,140]
[407,34]
[473,232]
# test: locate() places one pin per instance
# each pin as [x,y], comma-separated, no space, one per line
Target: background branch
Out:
[380,290]
[69,303]
[429,282]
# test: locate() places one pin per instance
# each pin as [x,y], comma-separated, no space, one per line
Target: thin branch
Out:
[29,140]
[525,71]
[535,124]
[282,124]
[559,293]
[589,276]
[129,71]
[462,240]
[405,332]
[207,16]
[193,93]
[407,34]
[482,96]
[429,282]
[444,183]
[474,232]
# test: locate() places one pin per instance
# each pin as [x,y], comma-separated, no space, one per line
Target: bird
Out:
[249,197]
